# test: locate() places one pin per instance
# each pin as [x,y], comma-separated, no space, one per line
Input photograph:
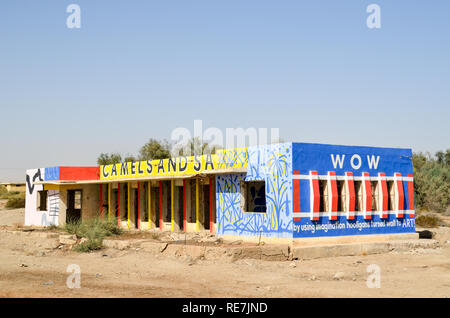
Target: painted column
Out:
[160,206]
[139,205]
[184,205]
[197,203]
[171,205]
[211,204]
[149,194]
[109,201]
[118,203]
[129,203]
[101,201]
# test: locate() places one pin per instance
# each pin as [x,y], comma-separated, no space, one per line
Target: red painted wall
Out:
[79,173]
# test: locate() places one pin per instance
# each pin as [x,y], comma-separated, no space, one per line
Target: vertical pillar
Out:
[118,203]
[211,204]
[149,196]
[160,205]
[129,203]
[184,205]
[109,201]
[101,201]
[139,205]
[171,205]
[197,203]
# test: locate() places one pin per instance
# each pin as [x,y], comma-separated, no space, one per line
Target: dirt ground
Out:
[28,268]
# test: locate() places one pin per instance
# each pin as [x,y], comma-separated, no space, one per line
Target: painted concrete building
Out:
[13,187]
[284,191]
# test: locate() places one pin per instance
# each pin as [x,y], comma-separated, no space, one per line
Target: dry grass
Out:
[428,220]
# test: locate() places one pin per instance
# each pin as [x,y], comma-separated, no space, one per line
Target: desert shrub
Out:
[89,245]
[15,203]
[428,220]
[432,181]
[11,195]
[94,229]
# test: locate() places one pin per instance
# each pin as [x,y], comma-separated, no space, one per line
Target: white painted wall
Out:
[32,215]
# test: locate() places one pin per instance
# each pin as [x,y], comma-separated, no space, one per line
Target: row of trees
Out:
[431,173]
[432,181]
[155,149]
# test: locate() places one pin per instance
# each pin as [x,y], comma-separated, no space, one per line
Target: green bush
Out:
[432,181]
[15,203]
[94,230]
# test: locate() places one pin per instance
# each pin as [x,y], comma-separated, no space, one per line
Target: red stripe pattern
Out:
[367,193]
[315,196]
[411,196]
[296,194]
[351,197]
[384,194]
[333,194]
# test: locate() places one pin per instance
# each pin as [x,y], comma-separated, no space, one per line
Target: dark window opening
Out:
[254,196]
[42,200]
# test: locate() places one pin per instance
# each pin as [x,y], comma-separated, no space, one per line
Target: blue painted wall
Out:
[273,164]
[51,174]
[319,157]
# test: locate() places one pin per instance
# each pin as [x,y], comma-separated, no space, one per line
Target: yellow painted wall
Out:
[224,159]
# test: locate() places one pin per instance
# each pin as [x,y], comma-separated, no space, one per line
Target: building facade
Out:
[287,191]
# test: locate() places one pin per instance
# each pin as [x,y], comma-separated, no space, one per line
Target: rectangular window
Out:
[253,196]
[42,200]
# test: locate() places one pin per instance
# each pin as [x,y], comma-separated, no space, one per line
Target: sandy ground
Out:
[27,269]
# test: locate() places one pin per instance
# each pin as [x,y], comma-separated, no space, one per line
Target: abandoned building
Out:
[287,190]
[14,187]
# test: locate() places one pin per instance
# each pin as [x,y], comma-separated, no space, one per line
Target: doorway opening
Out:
[74,200]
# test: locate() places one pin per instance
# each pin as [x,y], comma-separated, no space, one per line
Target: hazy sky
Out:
[139,69]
